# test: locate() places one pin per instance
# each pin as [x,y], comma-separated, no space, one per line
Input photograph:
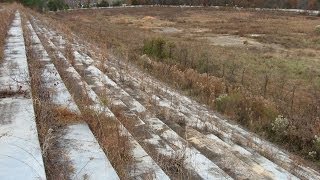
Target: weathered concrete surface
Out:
[14,74]
[59,93]
[77,142]
[85,154]
[20,153]
[143,164]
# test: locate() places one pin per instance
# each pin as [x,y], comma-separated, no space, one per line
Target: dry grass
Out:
[108,131]
[69,54]
[6,16]
[173,165]
[7,93]
[50,119]
[111,138]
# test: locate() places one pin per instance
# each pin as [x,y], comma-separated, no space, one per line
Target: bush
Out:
[318,29]
[156,48]
[37,4]
[117,3]
[146,62]
[54,5]
[227,103]
[315,154]
[263,112]
[203,64]
[221,102]
[103,3]
[86,5]
[280,125]
[251,112]
[135,2]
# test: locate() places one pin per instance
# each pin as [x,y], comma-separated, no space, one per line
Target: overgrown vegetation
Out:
[254,86]
[54,5]
[261,108]
[103,3]
[36,4]
[112,139]
[117,3]
[7,17]
[50,119]
[108,131]
[156,48]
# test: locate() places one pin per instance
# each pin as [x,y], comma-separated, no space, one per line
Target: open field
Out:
[159,93]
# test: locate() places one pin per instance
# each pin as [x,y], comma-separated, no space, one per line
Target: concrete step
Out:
[20,152]
[77,141]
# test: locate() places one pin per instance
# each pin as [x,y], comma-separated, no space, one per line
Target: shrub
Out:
[203,64]
[221,102]
[135,2]
[227,103]
[86,5]
[316,142]
[318,29]
[103,3]
[117,3]
[54,5]
[37,4]
[280,125]
[146,62]
[263,112]
[316,145]
[156,48]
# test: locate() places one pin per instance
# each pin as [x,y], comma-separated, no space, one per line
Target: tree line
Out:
[299,4]
[43,5]
[286,4]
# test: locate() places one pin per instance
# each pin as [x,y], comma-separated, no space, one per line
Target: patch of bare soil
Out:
[232,40]
[167,30]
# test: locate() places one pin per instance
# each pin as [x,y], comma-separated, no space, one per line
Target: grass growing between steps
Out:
[108,132]
[172,164]
[6,17]
[50,119]
[112,139]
